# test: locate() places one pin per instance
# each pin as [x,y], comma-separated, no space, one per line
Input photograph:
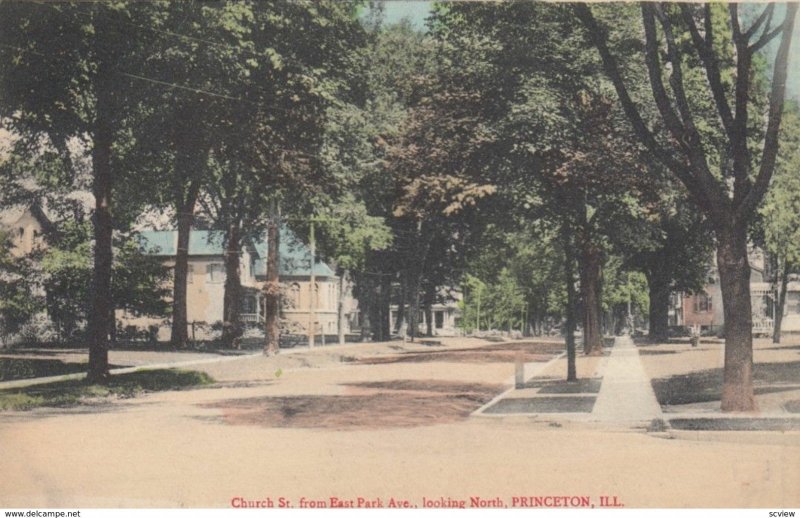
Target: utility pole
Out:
[312,313]
[630,315]
[272,289]
[479,310]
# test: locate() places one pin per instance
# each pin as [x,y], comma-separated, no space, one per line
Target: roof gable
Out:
[295,257]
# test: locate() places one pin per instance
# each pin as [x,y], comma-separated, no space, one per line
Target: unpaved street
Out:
[376,424]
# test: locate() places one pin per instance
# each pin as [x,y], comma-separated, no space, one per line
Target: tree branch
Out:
[765,38]
[776,98]
[678,168]
[704,47]
[694,148]
[663,103]
[611,69]
[676,80]
[766,14]
[733,9]
[739,149]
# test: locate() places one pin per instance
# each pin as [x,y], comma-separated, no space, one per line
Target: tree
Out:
[19,301]
[69,55]
[781,211]
[190,97]
[347,234]
[138,279]
[400,60]
[672,248]
[706,172]
[553,140]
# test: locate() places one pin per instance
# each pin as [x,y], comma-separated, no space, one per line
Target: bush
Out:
[39,330]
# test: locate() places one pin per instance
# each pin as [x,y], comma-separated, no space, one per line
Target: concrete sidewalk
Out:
[626,394]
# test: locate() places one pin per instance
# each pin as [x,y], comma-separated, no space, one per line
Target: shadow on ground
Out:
[581,386]
[26,368]
[535,405]
[507,353]
[783,348]
[386,404]
[705,386]
[736,425]
[792,406]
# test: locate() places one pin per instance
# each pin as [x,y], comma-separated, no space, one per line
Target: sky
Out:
[417,10]
[793,79]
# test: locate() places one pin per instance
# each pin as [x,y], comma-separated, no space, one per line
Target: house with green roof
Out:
[206,282]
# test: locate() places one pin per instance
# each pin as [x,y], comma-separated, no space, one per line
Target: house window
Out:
[702,303]
[216,272]
[249,305]
[294,295]
[438,318]
[792,306]
[190,274]
[20,233]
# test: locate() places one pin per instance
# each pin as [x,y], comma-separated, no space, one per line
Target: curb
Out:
[539,368]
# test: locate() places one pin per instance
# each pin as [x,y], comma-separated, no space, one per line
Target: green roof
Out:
[295,257]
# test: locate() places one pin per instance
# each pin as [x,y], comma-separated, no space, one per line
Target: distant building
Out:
[26,225]
[704,310]
[445,315]
[206,282]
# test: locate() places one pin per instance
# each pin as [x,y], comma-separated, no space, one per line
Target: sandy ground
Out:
[776,374]
[380,422]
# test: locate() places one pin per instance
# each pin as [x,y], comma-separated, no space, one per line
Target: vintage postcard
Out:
[415,255]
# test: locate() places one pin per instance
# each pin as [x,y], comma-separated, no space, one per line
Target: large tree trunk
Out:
[415,286]
[401,305]
[232,298]
[385,306]
[272,288]
[112,319]
[429,298]
[363,292]
[569,325]
[591,267]
[658,288]
[734,273]
[99,316]
[783,272]
[365,308]
[375,310]
[179,337]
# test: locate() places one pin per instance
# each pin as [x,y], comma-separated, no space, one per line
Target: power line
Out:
[188,88]
[155,30]
[177,35]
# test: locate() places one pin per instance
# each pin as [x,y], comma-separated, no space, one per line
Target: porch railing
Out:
[251,318]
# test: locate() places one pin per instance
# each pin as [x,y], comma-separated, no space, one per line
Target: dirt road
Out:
[373,427]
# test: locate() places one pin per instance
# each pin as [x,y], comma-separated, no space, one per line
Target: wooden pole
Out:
[312,310]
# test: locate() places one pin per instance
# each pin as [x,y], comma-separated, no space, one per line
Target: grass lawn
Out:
[77,392]
[25,368]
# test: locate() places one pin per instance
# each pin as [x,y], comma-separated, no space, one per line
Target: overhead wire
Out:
[195,90]
[208,92]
